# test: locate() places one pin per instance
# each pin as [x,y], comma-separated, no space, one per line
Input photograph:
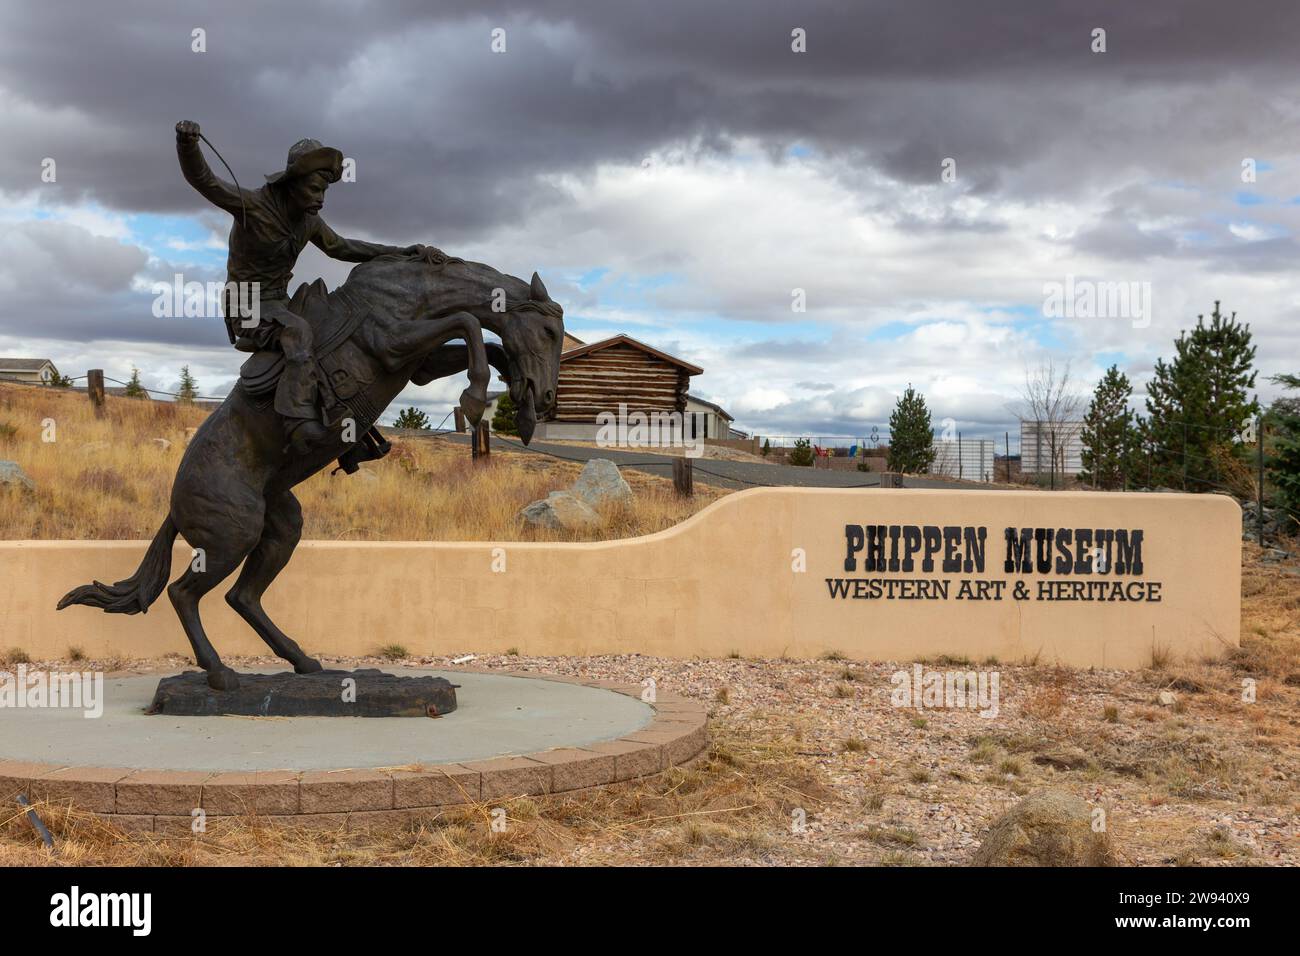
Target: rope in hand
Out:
[242,209]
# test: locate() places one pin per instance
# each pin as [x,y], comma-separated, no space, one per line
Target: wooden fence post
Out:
[95,389]
[481,446]
[459,419]
[684,476]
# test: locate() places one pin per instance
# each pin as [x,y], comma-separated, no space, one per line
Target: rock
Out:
[13,476]
[1167,698]
[560,511]
[1274,555]
[319,694]
[600,484]
[162,443]
[1047,828]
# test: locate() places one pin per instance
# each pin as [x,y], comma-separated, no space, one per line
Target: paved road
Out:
[712,471]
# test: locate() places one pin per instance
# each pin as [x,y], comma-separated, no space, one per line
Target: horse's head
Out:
[528,321]
[532,335]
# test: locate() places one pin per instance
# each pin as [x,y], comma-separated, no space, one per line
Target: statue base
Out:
[327,693]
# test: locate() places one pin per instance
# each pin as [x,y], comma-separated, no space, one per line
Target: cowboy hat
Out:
[309,156]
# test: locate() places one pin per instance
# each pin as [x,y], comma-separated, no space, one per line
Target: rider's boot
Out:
[306,434]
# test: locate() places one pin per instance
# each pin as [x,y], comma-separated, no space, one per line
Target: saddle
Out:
[332,322]
[341,392]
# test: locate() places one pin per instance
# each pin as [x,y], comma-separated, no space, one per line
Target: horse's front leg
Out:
[473,401]
[399,345]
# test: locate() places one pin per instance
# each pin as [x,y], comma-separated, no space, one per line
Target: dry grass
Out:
[1270,618]
[1211,780]
[108,479]
[735,803]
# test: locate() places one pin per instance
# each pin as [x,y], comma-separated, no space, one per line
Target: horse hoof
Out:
[223,678]
[308,665]
[473,406]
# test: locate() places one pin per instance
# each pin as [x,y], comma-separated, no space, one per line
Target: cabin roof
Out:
[623,339]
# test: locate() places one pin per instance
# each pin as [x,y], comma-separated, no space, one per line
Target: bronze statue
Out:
[389,324]
[273,225]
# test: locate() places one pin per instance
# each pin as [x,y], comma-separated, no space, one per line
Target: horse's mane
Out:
[383,275]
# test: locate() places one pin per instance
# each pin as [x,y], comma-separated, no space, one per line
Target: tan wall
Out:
[721,581]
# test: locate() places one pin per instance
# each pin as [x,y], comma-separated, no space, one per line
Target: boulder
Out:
[601,484]
[13,476]
[560,511]
[163,443]
[1047,828]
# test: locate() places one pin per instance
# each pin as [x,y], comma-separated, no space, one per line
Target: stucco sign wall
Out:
[1083,578]
[1087,579]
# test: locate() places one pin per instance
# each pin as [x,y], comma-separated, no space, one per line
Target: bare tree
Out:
[1050,401]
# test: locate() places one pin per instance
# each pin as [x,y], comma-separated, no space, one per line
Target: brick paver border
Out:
[163,801]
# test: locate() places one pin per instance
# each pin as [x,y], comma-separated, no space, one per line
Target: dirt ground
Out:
[1207,776]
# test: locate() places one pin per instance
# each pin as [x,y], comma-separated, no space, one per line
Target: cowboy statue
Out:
[272,226]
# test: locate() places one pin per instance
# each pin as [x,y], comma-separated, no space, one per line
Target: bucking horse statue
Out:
[390,323]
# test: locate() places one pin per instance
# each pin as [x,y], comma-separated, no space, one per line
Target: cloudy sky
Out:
[817,229]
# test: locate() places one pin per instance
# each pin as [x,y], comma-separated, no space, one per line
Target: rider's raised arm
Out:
[349,250]
[195,168]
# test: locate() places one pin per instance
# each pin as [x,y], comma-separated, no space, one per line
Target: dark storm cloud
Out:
[1119,238]
[449,137]
[1138,150]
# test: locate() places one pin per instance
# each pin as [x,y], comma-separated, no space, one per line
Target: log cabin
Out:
[622,372]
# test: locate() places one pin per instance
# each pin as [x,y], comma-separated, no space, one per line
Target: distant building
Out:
[1041,443]
[622,374]
[971,459]
[707,419]
[34,371]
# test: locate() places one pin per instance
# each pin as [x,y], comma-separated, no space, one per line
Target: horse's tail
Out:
[136,593]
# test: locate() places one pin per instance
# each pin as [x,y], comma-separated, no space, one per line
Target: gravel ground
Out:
[1203,778]
[915,793]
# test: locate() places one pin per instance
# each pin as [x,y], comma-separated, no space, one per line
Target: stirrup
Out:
[372,447]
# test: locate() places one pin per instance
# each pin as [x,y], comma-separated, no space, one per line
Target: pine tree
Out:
[1110,435]
[189,389]
[411,418]
[503,419]
[1199,404]
[133,388]
[911,439]
[802,454]
[1283,459]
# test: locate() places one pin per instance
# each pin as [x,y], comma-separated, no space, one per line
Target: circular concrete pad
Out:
[497,715]
[513,734]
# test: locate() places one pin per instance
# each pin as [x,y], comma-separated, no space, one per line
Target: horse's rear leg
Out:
[280,535]
[220,555]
